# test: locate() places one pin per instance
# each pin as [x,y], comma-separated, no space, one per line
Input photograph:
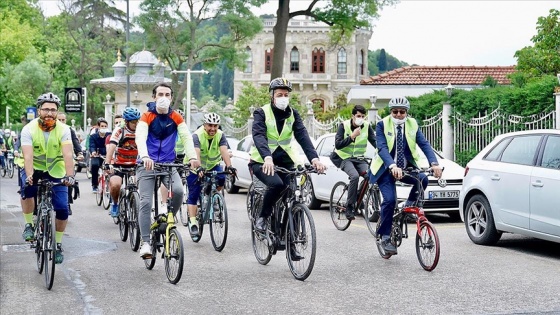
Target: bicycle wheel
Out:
[123,219]
[107,196]
[301,241]
[99,194]
[219,223]
[3,170]
[337,206]
[10,169]
[40,254]
[133,230]
[49,247]
[427,246]
[260,242]
[175,257]
[184,211]
[372,210]
[250,198]
[151,262]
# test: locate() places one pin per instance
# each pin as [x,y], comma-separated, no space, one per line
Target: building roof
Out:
[441,75]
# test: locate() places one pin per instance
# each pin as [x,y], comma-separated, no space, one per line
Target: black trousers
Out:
[96,163]
[354,168]
[275,185]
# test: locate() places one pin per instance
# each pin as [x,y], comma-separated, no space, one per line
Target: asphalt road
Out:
[101,275]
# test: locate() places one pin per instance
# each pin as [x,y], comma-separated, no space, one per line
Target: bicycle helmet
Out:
[280,83]
[7,131]
[48,98]
[399,102]
[131,113]
[100,120]
[212,118]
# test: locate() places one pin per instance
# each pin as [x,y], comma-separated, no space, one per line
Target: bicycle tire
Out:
[123,219]
[151,262]
[184,210]
[380,249]
[175,258]
[99,194]
[10,170]
[261,249]
[372,211]
[49,246]
[107,196]
[3,170]
[305,237]
[427,246]
[199,218]
[249,202]
[39,253]
[133,230]
[219,223]
[337,206]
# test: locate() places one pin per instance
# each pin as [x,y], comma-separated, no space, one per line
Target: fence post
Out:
[447,132]
[311,123]
[557,114]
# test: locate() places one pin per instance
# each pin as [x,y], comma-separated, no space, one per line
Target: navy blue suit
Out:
[385,179]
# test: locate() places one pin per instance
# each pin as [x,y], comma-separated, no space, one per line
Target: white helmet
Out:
[7,131]
[13,134]
[399,102]
[212,118]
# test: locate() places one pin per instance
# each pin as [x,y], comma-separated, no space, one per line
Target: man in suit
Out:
[397,140]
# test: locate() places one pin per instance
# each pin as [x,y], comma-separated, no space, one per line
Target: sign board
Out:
[30,113]
[73,100]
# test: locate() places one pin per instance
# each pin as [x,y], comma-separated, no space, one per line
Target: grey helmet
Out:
[399,102]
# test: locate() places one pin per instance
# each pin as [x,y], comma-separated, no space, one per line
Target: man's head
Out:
[118,120]
[48,104]
[23,119]
[61,117]
[280,89]
[131,116]
[358,115]
[211,123]
[399,107]
[162,94]
[103,126]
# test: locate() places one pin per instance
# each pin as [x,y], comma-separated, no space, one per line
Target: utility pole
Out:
[188,109]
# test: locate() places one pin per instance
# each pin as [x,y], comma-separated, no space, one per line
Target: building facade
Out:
[318,72]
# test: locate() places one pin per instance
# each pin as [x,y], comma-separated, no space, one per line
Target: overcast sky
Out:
[438,33]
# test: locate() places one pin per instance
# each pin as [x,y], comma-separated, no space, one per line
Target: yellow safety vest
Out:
[47,156]
[276,140]
[410,130]
[359,146]
[209,153]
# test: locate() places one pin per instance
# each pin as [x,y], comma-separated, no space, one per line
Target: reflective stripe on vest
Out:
[48,156]
[209,155]
[410,129]
[359,146]
[276,140]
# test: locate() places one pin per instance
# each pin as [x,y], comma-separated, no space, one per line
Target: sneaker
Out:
[388,247]
[260,225]
[146,251]
[294,255]
[114,211]
[28,234]
[193,227]
[58,257]
[69,210]
[95,190]
[349,214]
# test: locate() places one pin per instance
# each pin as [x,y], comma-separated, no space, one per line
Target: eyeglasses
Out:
[49,110]
[396,111]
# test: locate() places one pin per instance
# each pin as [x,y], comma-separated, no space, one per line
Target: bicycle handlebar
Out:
[298,171]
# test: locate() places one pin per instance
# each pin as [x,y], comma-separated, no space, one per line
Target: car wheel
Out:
[479,221]
[229,185]
[308,195]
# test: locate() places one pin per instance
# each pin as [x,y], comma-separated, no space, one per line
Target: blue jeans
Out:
[59,195]
[195,185]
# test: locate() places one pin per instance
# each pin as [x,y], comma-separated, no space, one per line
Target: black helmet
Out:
[48,98]
[280,83]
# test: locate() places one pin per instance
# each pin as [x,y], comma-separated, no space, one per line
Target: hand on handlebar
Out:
[397,172]
[194,163]
[68,180]
[437,171]
[200,171]
[148,163]
[232,170]
[320,166]
[268,167]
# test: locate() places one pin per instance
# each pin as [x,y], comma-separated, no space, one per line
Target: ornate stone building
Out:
[318,71]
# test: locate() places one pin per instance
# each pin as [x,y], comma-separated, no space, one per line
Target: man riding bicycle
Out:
[274,126]
[350,145]
[397,138]
[97,150]
[156,134]
[123,146]
[47,154]
[211,147]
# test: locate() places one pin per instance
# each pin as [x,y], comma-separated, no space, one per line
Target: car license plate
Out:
[443,194]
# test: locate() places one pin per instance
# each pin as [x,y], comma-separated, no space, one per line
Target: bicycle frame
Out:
[210,182]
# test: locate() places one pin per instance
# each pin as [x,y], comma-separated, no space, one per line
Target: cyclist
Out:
[97,149]
[2,150]
[350,144]
[47,154]
[397,137]
[77,149]
[8,145]
[211,147]
[274,126]
[123,146]
[156,135]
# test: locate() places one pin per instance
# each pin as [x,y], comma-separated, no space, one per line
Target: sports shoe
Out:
[193,227]
[294,255]
[69,210]
[146,251]
[58,257]
[388,247]
[349,214]
[260,225]
[28,234]
[114,211]
[94,190]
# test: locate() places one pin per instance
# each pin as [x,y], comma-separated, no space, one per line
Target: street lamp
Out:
[309,105]
[108,97]
[135,95]
[89,122]
[73,121]
[251,110]
[8,115]
[372,111]
[449,89]
[184,101]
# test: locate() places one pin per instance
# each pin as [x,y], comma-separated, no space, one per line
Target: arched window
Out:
[321,102]
[341,66]
[268,60]
[318,59]
[361,68]
[248,61]
[294,60]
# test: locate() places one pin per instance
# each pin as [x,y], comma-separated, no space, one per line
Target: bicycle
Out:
[164,233]
[103,195]
[290,225]
[129,203]
[366,192]
[212,210]
[10,165]
[427,240]
[44,231]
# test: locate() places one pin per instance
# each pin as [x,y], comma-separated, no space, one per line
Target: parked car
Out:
[240,160]
[512,186]
[440,196]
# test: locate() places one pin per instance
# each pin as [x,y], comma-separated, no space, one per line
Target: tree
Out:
[544,57]
[382,61]
[344,16]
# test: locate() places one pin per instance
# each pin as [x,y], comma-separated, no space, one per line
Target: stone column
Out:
[109,111]
[447,132]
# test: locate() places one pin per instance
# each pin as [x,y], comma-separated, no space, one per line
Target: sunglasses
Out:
[396,111]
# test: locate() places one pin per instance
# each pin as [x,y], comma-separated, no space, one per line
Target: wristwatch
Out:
[435,164]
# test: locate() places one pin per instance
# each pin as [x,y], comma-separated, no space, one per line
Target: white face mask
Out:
[282,102]
[398,121]
[358,121]
[104,130]
[162,105]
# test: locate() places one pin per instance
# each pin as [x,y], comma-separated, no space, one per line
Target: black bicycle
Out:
[290,226]
[129,203]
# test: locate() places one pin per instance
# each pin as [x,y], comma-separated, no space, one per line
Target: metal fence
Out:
[236,132]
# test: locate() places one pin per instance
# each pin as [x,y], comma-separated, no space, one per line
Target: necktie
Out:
[400,149]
